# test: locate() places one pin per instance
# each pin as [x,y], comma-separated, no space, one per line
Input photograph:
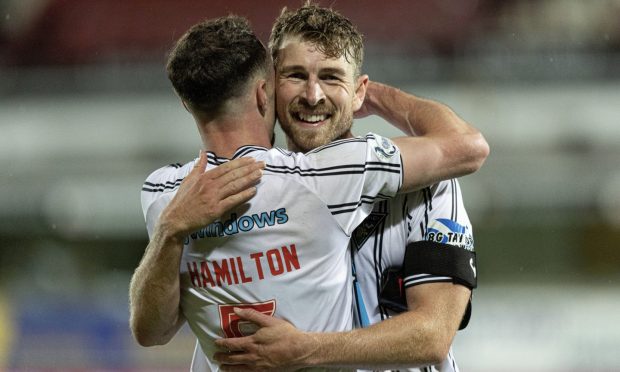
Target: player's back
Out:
[281,254]
[285,252]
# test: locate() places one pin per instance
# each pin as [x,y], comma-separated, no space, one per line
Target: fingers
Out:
[202,161]
[256,317]
[238,171]
[230,166]
[236,351]
[237,198]
[240,179]
[234,358]
[233,344]
[237,183]
[236,368]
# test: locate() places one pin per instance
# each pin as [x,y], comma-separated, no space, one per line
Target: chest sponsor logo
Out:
[446,231]
[366,229]
[245,223]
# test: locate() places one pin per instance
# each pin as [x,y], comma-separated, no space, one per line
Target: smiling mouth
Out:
[312,119]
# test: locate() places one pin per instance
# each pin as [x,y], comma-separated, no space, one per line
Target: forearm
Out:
[408,340]
[454,146]
[414,116]
[155,291]
[419,337]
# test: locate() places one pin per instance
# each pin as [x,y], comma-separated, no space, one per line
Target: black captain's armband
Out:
[434,258]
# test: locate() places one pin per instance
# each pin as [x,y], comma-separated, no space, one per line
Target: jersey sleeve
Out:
[157,191]
[440,217]
[350,175]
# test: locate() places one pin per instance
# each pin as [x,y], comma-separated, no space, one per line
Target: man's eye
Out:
[296,75]
[331,78]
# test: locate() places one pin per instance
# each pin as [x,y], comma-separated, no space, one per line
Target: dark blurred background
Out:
[86,113]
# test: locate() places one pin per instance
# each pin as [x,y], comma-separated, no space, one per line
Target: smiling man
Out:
[316,95]
[424,237]
[221,240]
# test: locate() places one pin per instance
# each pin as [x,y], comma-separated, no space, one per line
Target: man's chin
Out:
[305,142]
[306,138]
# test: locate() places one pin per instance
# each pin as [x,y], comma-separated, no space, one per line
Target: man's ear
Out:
[360,92]
[262,99]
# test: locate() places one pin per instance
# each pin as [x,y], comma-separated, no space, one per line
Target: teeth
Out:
[312,118]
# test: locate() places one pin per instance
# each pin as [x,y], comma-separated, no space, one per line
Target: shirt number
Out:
[233,326]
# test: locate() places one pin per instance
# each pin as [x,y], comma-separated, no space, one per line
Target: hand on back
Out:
[203,197]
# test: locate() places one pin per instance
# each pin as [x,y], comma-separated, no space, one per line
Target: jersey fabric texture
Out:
[433,214]
[284,253]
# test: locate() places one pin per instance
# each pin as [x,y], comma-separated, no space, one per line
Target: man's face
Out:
[316,96]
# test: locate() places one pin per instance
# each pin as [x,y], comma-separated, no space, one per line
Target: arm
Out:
[418,337]
[154,290]
[154,293]
[443,145]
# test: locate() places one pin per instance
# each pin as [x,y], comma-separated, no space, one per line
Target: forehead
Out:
[294,52]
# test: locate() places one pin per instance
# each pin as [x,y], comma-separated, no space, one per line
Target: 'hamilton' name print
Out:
[240,270]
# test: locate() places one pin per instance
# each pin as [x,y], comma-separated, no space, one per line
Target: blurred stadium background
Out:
[86,112]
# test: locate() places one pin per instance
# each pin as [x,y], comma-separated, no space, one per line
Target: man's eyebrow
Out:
[333,71]
[291,68]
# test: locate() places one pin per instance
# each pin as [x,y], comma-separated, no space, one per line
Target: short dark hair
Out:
[332,33]
[214,61]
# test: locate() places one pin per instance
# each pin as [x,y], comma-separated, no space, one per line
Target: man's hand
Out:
[276,345]
[203,196]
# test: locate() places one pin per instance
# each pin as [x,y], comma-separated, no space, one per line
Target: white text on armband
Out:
[244,223]
[241,270]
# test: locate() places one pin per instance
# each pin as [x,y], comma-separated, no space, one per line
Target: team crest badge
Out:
[384,148]
[366,229]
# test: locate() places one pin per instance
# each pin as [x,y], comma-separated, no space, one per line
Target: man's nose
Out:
[313,93]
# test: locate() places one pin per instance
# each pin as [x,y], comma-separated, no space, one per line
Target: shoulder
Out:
[167,178]
[161,182]
[371,141]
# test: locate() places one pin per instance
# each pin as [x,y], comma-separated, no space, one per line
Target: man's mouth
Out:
[311,118]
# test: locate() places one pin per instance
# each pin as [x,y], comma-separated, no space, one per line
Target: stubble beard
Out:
[306,139]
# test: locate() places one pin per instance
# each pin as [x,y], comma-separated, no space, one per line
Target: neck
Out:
[226,134]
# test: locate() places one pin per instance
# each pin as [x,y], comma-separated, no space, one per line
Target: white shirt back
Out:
[285,252]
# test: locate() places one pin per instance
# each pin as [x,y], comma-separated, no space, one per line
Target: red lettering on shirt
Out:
[221,272]
[244,279]
[273,257]
[231,270]
[256,256]
[290,258]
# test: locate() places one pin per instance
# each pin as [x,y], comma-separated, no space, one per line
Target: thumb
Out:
[255,317]
[201,165]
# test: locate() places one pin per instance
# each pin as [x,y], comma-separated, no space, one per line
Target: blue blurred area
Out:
[95,337]
[72,334]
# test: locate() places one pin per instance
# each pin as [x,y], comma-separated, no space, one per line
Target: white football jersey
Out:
[435,214]
[284,253]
